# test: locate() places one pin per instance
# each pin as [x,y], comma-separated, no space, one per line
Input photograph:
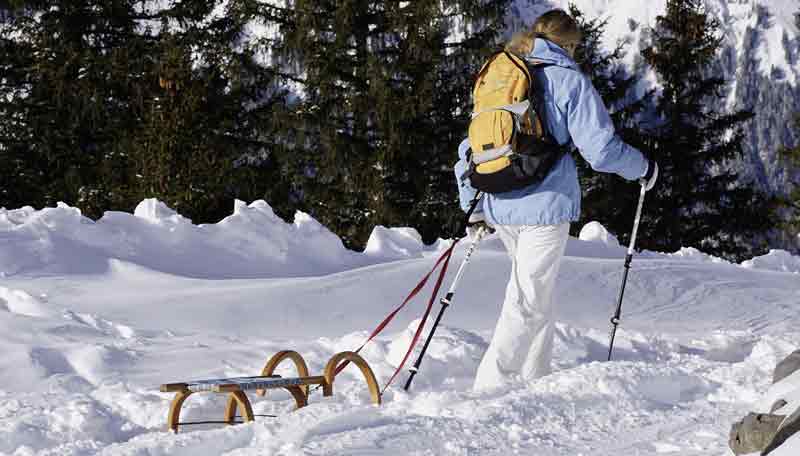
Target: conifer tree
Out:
[105,103]
[699,201]
[790,160]
[60,98]
[18,177]
[384,105]
[206,134]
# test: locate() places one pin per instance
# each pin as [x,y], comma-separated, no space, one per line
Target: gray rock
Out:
[787,367]
[754,432]
[788,428]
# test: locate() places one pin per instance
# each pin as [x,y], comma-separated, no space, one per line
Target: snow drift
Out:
[252,242]
[94,315]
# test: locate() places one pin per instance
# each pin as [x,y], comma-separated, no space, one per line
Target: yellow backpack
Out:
[509,148]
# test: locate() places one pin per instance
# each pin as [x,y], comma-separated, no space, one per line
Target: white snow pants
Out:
[522,344]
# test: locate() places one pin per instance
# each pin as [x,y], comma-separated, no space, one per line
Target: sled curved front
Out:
[299,362]
[355,358]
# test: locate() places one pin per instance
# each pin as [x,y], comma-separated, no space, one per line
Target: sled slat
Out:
[264,384]
[173,387]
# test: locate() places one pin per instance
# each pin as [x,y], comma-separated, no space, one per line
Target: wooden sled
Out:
[237,387]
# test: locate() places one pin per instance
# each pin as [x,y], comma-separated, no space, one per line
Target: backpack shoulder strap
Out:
[520,63]
[539,126]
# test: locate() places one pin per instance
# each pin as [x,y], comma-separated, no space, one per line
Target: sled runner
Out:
[236,387]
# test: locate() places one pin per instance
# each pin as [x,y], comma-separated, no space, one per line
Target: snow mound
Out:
[253,242]
[595,232]
[100,324]
[775,260]
[21,303]
[595,241]
[154,211]
[394,243]
[453,353]
[691,253]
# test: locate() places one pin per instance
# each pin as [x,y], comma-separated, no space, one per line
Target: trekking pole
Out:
[446,300]
[628,258]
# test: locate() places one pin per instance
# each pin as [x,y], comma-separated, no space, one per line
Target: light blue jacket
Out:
[574,114]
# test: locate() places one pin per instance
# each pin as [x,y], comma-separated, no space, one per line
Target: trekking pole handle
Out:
[473,204]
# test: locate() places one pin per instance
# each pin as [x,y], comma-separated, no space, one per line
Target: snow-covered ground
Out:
[95,315]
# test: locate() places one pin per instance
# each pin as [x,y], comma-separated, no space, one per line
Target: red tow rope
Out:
[445,260]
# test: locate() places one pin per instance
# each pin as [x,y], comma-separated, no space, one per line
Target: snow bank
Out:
[595,241]
[691,253]
[252,242]
[775,260]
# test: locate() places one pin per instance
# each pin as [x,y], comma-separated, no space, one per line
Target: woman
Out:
[533,222]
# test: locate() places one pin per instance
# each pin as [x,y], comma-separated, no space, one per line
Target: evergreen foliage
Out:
[699,200]
[383,108]
[58,99]
[207,135]
[790,160]
[104,103]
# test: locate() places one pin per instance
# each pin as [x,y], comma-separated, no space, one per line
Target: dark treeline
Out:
[103,104]
[350,111]
[790,204]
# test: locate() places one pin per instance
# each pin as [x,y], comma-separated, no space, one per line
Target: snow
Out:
[95,315]
[595,232]
[787,389]
[394,243]
[775,260]
[252,242]
[21,303]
